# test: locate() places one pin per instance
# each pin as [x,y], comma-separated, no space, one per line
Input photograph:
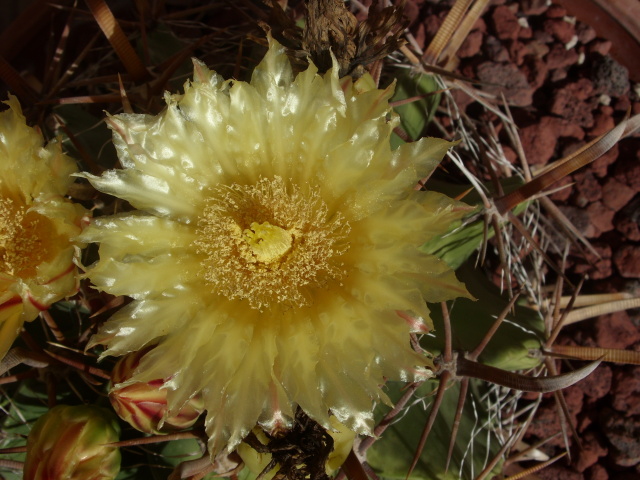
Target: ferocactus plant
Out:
[37,224]
[71,443]
[274,246]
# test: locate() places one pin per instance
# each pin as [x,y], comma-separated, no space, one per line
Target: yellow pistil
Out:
[265,245]
[268,242]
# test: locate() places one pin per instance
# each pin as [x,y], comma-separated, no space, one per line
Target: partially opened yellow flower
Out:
[275,242]
[36,224]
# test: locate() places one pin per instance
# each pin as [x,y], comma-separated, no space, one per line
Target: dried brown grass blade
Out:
[587,154]
[118,40]
[601,309]
[536,468]
[461,33]
[616,355]
[594,299]
[446,30]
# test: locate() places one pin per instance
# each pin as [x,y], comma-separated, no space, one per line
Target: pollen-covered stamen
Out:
[24,239]
[268,244]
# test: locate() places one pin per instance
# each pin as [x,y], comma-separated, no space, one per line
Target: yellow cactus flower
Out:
[276,242]
[36,224]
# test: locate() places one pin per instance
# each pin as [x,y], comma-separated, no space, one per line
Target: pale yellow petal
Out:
[160,276]
[10,322]
[147,193]
[146,236]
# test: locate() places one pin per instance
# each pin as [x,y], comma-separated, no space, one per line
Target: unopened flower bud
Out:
[72,443]
[143,405]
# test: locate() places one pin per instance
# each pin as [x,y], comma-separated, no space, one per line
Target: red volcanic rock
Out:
[471,45]
[598,384]
[603,47]
[411,12]
[590,452]
[535,70]
[462,99]
[608,76]
[562,195]
[589,190]
[570,102]
[533,7]
[615,330]
[602,121]
[596,267]
[559,472]
[539,140]
[626,391]
[510,81]
[495,50]
[555,11]
[560,57]
[622,433]
[585,33]
[600,166]
[600,219]
[518,51]
[597,472]
[629,229]
[560,29]
[505,23]
[627,259]
[615,194]
[547,420]
[628,169]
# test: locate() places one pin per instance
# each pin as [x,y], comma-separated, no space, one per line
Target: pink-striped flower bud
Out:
[71,443]
[143,405]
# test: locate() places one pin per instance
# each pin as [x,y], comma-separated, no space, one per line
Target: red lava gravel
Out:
[564,90]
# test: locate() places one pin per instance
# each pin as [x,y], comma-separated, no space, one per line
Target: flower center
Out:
[270,244]
[25,237]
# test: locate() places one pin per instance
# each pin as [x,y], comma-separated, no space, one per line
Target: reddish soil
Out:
[565,89]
